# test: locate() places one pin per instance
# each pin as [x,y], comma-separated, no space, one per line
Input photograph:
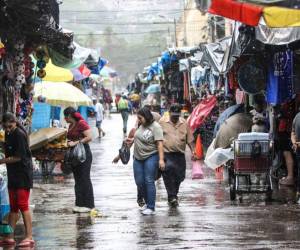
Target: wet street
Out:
[206,219]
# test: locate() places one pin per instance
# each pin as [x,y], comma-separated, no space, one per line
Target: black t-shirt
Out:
[20,174]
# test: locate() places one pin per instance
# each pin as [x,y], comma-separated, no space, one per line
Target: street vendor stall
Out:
[48,145]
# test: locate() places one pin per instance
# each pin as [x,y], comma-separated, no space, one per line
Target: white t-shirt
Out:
[99,111]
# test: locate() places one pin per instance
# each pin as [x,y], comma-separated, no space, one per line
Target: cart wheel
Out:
[232,187]
[269,194]
[232,192]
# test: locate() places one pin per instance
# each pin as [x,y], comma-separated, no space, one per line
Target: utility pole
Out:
[175,33]
[184,24]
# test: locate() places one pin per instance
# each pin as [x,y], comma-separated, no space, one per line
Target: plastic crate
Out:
[252,165]
[244,147]
[41,116]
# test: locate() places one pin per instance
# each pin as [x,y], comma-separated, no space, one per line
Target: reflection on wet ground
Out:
[206,219]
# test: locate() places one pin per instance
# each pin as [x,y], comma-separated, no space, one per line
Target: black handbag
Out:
[124,153]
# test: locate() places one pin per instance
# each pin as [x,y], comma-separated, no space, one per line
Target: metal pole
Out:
[175,32]
[184,25]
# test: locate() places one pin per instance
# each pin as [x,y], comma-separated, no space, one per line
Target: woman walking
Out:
[20,177]
[148,156]
[80,132]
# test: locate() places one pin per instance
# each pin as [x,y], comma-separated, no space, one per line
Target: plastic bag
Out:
[75,156]
[124,153]
[197,172]
[4,201]
[219,157]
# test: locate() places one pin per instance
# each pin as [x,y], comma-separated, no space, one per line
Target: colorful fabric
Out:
[280,78]
[201,112]
[243,12]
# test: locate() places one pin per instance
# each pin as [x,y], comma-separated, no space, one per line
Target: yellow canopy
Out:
[61,94]
[277,17]
[57,74]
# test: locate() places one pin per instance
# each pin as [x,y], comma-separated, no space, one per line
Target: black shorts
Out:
[283,142]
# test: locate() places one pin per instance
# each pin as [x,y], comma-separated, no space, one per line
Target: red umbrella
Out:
[81,73]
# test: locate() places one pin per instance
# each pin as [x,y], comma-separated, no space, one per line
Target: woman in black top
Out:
[20,176]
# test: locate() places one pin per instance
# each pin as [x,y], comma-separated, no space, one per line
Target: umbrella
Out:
[231,128]
[61,94]
[81,73]
[235,109]
[108,72]
[56,74]
[153,89]
[95,77]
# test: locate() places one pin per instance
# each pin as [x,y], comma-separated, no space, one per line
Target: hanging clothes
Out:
[186,95]
[280,78]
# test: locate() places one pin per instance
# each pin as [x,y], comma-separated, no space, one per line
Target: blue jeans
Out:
[125,114]
[144,175]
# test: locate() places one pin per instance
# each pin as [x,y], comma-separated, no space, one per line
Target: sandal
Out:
[287,182]
[7,242]
[26,243]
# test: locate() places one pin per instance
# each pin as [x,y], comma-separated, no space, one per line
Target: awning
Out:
[243,12]
[277,17]
[276,36]
[250,14]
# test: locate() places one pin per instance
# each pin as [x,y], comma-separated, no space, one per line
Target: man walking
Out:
[295,138]
[123,107]
[98,106]
[177,135]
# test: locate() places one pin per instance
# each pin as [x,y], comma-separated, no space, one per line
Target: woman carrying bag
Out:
[148,157]
[18,162]
[80,132]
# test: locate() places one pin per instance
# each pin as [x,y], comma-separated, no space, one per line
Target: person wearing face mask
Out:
[177,135]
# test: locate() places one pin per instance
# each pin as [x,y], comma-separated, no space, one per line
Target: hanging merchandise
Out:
[280,78]
[252,77]
[19,65]
[186,92]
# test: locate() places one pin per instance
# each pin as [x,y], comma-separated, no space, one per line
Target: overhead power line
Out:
[121,33]
[125,11]
[125,24]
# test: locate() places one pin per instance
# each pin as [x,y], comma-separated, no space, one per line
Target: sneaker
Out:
[298,198]
[143,208]
[173,203]
[81,210]
[148,211]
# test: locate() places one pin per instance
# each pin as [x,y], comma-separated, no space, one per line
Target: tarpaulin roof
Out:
[242,12]
[250,14]
[214,54]
[276,36]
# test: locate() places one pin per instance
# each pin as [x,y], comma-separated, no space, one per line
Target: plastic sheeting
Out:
[276,36]
[215,54]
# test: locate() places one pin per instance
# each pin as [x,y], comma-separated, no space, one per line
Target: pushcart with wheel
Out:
[250,172]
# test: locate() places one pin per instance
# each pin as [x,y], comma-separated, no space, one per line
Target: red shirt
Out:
[76,133]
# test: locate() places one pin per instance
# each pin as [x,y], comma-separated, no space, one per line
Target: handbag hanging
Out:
[124,153]
[197,172]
